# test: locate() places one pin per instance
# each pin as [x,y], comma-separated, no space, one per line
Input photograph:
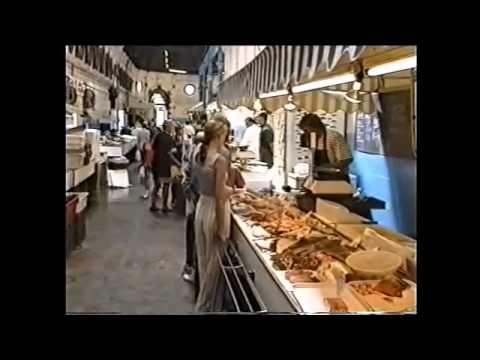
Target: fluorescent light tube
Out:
[177,71]
[318,84]
[273,94]
[394,66]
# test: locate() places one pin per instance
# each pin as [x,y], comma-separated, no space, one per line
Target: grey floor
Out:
[131,260]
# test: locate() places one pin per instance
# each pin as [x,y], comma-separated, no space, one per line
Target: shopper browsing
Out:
[212,217]
[176,168]
[142,134]
[163,157]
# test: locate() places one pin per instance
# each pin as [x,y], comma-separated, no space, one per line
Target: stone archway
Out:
[165,95]
[161,102]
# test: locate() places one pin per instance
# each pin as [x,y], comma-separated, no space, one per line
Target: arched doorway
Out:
[161,102]
[161,112]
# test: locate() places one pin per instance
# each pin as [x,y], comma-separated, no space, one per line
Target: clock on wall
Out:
[189,89]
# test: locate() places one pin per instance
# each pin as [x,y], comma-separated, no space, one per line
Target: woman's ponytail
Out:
[202,154]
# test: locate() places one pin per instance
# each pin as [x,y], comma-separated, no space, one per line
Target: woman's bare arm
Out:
[222,192]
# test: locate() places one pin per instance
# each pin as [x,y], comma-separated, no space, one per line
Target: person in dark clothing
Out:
[163,157]
[178,156]
[112,96]
[190,187]
[331,150]
[266,139]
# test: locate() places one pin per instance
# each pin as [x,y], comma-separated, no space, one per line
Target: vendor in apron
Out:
[332,154]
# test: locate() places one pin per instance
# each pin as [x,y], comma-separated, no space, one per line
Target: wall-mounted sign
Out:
[368,136]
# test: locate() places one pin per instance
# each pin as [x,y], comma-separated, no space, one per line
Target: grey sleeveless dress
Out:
[207,244]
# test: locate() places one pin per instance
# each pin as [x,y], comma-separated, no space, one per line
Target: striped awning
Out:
[276,67]
[312,101]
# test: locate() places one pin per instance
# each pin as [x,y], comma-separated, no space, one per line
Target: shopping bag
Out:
[141,172]
[138,156]
[175,172]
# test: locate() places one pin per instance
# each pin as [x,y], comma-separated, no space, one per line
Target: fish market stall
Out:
[299,264]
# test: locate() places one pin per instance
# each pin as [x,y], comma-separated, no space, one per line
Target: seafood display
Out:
[298,240]
[308,251]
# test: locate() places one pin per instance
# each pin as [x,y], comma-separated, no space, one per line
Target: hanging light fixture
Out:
[257,105]
[353,95]
[290,105]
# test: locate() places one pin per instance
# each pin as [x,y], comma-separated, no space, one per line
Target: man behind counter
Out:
[266,139]
[332,152]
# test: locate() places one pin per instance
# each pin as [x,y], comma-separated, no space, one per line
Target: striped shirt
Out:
[337,148]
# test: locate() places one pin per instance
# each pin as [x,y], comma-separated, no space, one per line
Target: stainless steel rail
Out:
[231,263]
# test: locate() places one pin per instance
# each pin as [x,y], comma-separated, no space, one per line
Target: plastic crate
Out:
[70,219]
[79,227]
[82,200]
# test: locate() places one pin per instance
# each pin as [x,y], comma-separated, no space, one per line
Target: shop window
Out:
[388,132]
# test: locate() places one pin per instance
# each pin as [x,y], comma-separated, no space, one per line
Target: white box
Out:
[83,173]
[112,151]
[328,187]
[332,213]
[68,180]
[75,142]
[74,160]
[118,178]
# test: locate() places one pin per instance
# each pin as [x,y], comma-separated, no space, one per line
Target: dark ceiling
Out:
[152,58]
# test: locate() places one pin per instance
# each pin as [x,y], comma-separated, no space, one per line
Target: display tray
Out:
[378,302]
[313,298]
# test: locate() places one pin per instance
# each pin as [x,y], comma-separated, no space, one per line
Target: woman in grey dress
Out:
[212,216]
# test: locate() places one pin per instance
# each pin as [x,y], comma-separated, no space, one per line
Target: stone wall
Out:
[100,84]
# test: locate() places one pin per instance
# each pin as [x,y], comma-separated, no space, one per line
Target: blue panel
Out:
[392,180]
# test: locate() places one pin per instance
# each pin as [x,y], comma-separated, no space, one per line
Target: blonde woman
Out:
[212,216]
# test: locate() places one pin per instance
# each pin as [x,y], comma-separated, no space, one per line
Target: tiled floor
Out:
[131,260]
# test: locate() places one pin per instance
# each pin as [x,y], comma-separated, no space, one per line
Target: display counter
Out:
[282,296]
[276,292]
[273,289]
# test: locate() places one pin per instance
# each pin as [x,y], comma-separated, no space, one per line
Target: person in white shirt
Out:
[251,137]
[143,137]
[188,130]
